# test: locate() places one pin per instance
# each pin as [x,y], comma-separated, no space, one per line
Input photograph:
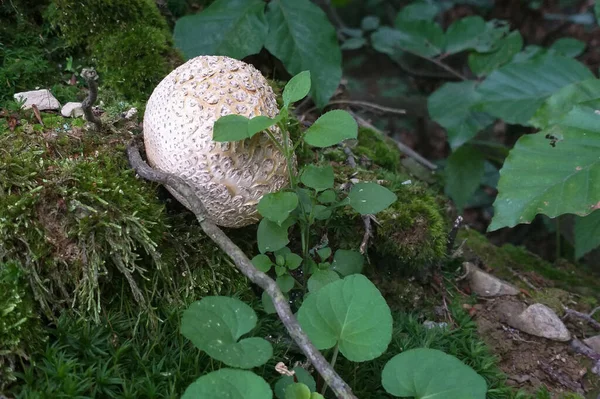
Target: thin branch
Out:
[364,104]
[90,76]
[583,316]
[338,385]
[453,233]
[403,148]
[446,67]
[368,233]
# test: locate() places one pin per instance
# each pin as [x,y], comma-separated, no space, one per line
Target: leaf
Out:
[419,10]
[331,128]
[231,128]
[262,263]
[297,391]
[452,107]
[271,236]
[430,373]
[424,38]
[351,313]
[515,91]
[347,262]
[370,198]
[324,253]
[568,46]
[484,63]
[234,28]
[267,303]
[285,283]
[292,261]
[464,34]
[559,180]
[215,324]
[587,233]
[303,377]
[317,177]
[277,206]
[321,278]
[464,172]
[302,37]
[297,88]
[370,22]
[353,43]
[260,123]
[229,384]
[327,197]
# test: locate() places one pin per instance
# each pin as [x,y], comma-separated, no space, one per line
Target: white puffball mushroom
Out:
[230,178]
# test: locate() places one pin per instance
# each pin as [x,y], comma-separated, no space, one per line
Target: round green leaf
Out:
[370,22]
[351,313]
[331,128]
[262,262]
[347,262]
[229,384]
[317,177]
[370,198]
[353,43]
[327,197]
[429,373]
[297,88]
[324,253]
[568,47]
[292,261]
[271,236]
[277,206]
[303,377]
[285,283]
[297,391]
[321,278]
[214,325]
[321,212]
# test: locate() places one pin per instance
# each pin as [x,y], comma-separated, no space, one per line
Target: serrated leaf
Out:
[297,88]
[464,171]
[353,43]
[302,37]
[230,384]
[424,38]
[303,377]
[316,177]
[262,262]
[560,179]
[271,236]
[277,206]
[484,63]
[285,283]
[370,198]
[430,373]
[351,313]
[293,261]
[419,10]
[452,107]
[370,22]
[267,303]
[234,28]
[331,128]
[568,46]
[347,262]
[587,233]
[215,324]
[515,91]
[320,278]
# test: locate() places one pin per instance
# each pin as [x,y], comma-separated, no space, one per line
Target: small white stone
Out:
[131,113]
[72,110]
[43,99]
[486,285]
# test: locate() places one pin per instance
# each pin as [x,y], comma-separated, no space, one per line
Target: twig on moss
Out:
[363,104]
[583,316]
[90,76]
[368,233]
[339,386]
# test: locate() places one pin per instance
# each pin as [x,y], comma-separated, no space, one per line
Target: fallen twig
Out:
[337,384]
[586,317]
[368,233]
[522,278]
[363,104]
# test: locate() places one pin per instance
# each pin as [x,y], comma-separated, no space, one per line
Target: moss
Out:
[377,148]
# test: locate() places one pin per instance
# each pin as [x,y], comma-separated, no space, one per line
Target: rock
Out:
[593,342]
[484,284]
[428,324]
[130,113]
[72,110]
[43,99]
[541,321]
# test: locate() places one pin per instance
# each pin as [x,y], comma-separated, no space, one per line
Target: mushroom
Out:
[230,178]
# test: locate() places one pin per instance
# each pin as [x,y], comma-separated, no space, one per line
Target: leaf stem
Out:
[336,350]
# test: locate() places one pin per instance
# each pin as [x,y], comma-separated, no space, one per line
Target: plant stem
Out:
[336,350]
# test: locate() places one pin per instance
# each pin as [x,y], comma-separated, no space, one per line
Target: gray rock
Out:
[541,321]
[43,99]
[593,342]
[131,113]
[486,285]
[428,324]
[72,110]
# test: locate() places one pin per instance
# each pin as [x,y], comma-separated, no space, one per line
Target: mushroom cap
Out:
[230,178]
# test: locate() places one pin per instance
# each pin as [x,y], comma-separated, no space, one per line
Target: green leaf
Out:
[587,233]
[464,172]
[351,313]
[327,197]
[293,261]
[370,198]
[347,262]
[321,212]
[277,206]
[297,88]
[515,91]
[370,22]
[297,391]
[229,384]
[417,11]
[331,128]
[484,63]
[267,303]
[231,128]
[317,177]
[262,263]
[424,38]
[353,43]
[215,324]
[303,377]
[280,270]
[285,283]
[234,28]
[271,236]
[568,47]
[260,123]
[321,278]
[324,253]
[452,107]
[538,178]
[430,373]
[464,34]
[302,37]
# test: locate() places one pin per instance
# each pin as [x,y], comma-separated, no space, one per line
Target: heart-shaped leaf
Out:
[297,88]
[425,373]
[285,283]
[297,391]
[320,279]
[370,198]
[303,377]
[347,262]
[331,128]
[229,384]
[277,206]
[262,262]
[215,324]
[292,261]
[317,177]
[351,313]
[271,236]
